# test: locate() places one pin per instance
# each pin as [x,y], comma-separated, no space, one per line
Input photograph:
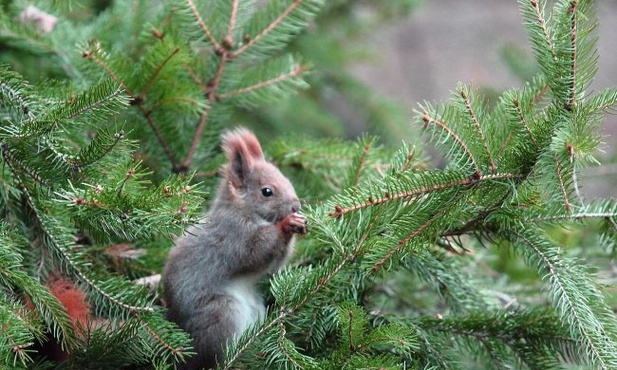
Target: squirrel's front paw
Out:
[294,223]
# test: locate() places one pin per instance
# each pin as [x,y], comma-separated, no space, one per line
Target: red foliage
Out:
[74,299]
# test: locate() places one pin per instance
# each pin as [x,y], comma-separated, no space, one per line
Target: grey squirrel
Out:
[210,275]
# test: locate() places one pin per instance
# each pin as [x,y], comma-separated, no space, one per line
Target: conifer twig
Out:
[523,121]
[542,21]
[298,70]
[401,243]
[210,88]
[137,100]
[565,297]
[11,160]
[562,185]
[428,120]
[478,127]
[175,351]
[64,255]
[412,194]
[267,29]
[154,75]
[203,25]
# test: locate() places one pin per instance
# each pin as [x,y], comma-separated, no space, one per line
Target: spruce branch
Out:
[298,70]
[65,258]
[578,303]
[541,20]
[427,119]
[175,351]
[15,163]
[340,211]
[11,86]
[478,127]
[203,26]
[155,75]
[523,121]
[211,88]
[137,100]
[561,182]
[275,23]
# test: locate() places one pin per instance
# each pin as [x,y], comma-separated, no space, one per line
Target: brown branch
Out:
[339,211]
[562,185]
[402,242]
[203,25]
[90,55]
[408,160]
[232,25]
[428,120]
[139,101]
[476,124]
[263,84]
[542,21]
[176,351]
[157,132]
[210,88]
[156,73]
[268,29]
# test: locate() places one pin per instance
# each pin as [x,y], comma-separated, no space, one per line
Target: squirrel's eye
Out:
[266,192]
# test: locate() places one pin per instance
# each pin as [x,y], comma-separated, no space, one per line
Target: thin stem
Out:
[157,132]
[175,351]
[211,88]
[232,24]
[478,127]
[562,185]
[93,57]
[428,120]
[542,21]
[203,25]
[339,211]
[263,84]
[156,73]
[268,29]
[523,121]
[139,101]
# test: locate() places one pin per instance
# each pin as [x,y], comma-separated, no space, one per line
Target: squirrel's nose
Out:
[295,205]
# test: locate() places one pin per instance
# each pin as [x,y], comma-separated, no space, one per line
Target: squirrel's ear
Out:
[243,150]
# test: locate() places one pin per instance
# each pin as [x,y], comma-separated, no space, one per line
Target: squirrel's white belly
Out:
[249,306]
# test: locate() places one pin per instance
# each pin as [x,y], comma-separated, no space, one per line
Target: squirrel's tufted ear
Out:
[243,150]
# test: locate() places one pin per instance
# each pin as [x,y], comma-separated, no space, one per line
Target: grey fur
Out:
[245,236]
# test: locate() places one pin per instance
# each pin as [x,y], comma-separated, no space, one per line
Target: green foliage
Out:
[111,154]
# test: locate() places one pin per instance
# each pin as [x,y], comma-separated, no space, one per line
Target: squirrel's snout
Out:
[295,205]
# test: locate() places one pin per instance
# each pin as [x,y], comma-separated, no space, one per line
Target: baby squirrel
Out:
[210,276]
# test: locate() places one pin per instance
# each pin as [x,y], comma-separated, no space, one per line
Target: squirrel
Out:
[211,273]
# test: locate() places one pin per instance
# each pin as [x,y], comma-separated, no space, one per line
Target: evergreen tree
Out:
[114,153]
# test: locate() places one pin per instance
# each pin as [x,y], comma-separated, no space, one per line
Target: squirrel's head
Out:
[253,184]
